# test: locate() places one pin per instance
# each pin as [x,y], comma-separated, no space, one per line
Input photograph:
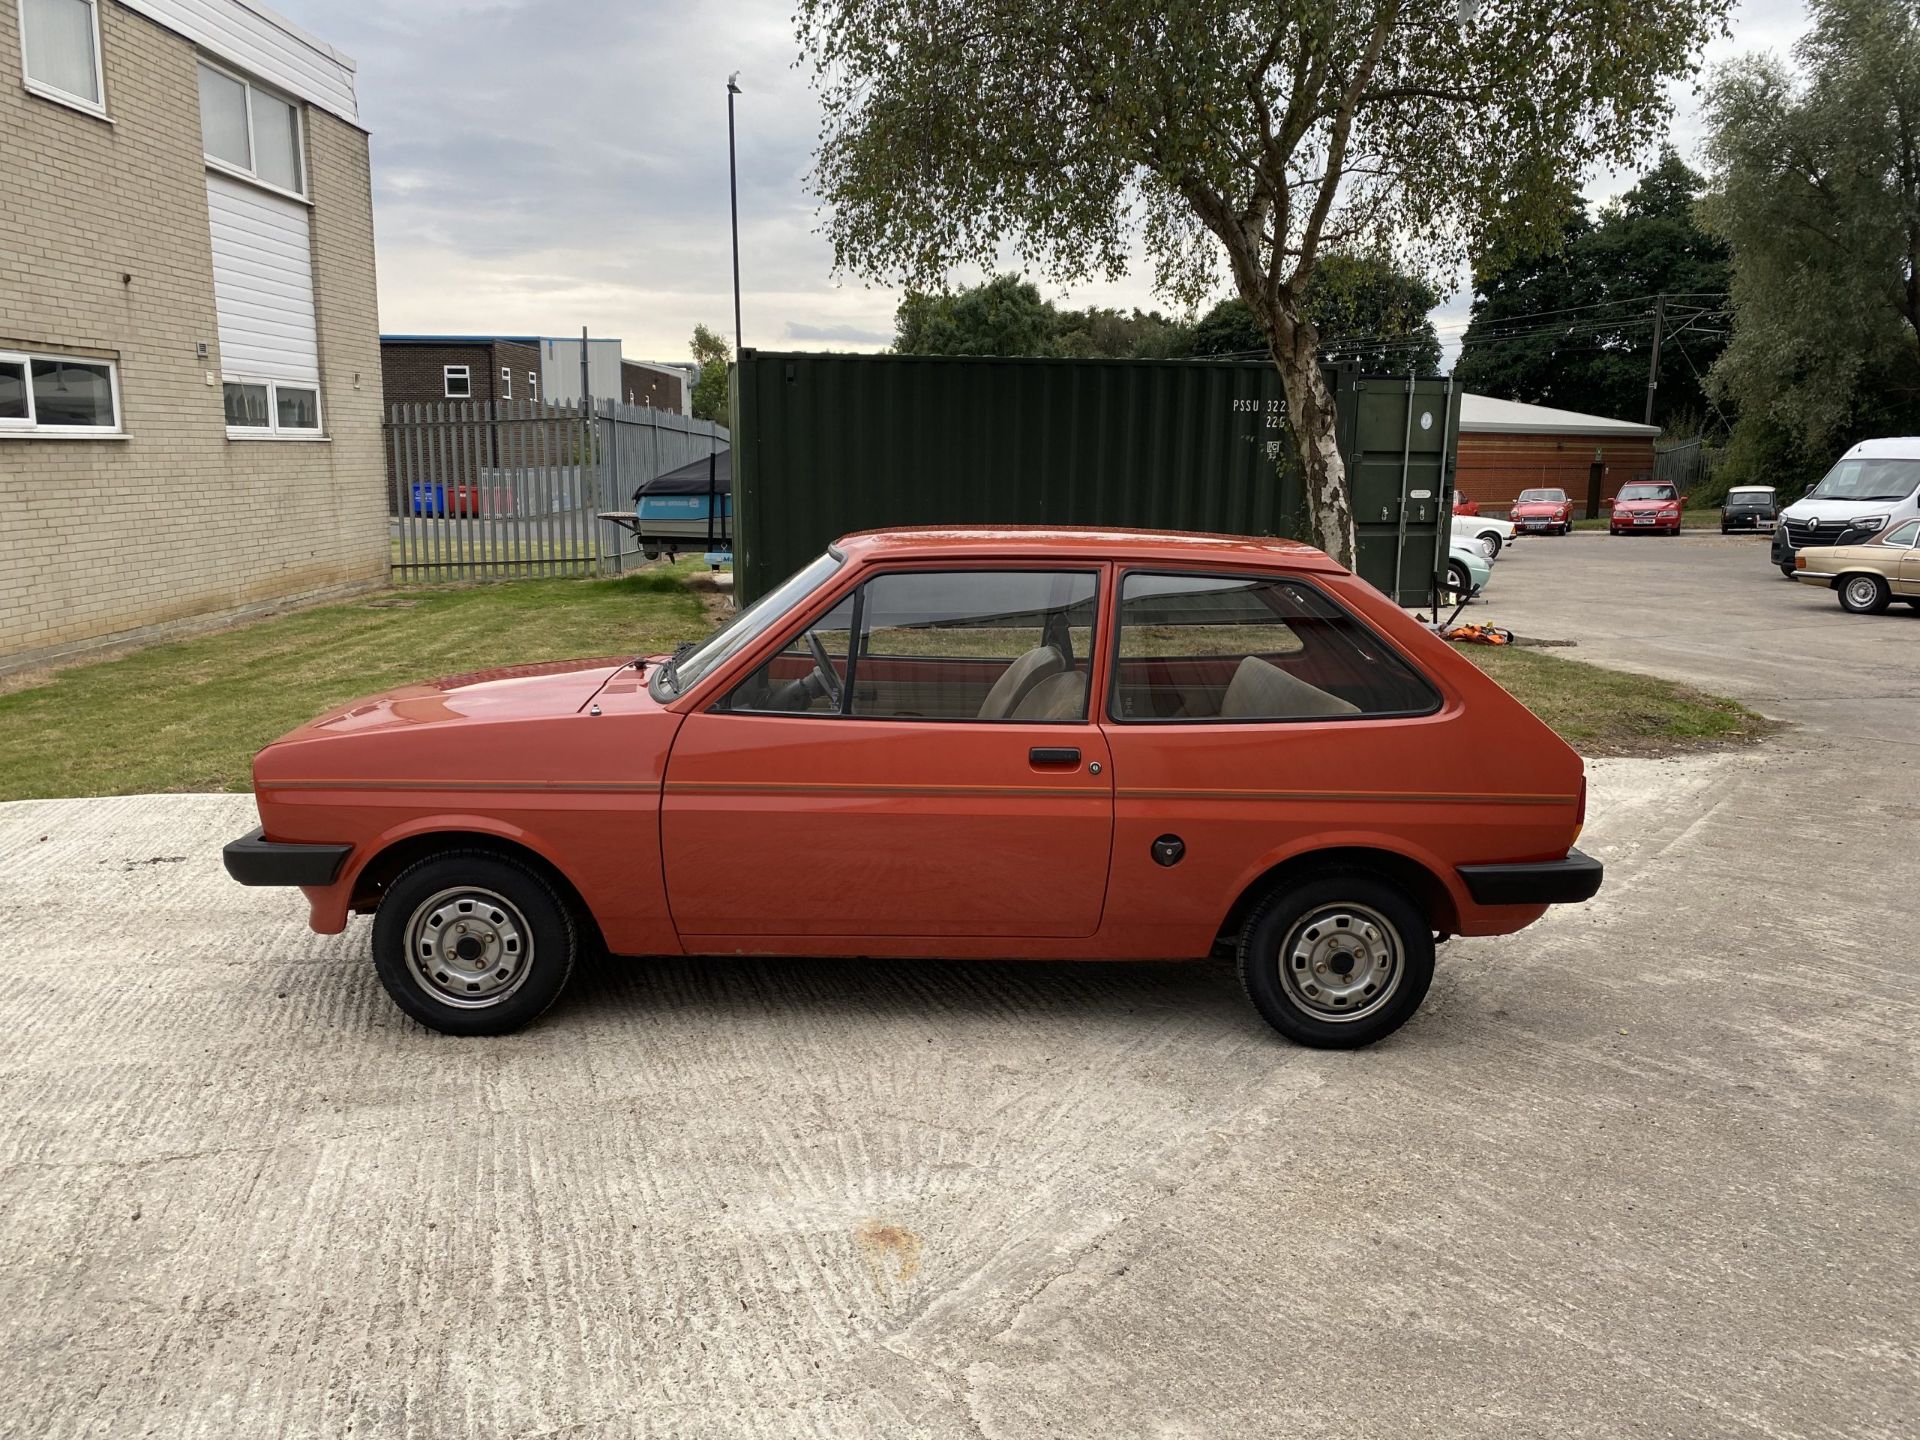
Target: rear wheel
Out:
[473,943]
[1864,594]
[1336,960]
[1492,539]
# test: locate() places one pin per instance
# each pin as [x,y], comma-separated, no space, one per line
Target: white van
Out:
[1872,486]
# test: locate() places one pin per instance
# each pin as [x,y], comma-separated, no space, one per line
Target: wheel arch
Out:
[397,853]
[1417,877]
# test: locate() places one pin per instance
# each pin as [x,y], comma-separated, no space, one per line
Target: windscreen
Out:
[1868,479]
[1646,492]
[1542,497]
[743,629]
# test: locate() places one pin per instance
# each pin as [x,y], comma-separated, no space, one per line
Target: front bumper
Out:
[255,860]
[1538,882]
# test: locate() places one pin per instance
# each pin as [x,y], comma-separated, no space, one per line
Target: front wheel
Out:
[469,942]
[1459,580]
[1493,543]
[1864,594]
[1787,570]
[1338,960]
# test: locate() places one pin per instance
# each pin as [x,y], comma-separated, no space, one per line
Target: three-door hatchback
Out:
[1054,744]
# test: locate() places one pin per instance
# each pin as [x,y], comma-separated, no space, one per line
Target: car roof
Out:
[1083,542]
[1889,447]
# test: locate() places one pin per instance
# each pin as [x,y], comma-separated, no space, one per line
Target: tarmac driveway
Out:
[1648,1168]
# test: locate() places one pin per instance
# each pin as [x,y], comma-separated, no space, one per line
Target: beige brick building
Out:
[189,349]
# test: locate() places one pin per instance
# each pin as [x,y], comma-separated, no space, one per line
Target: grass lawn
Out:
[189,715]
[1609,712]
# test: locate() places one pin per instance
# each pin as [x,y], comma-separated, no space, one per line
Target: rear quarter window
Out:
[1238,648]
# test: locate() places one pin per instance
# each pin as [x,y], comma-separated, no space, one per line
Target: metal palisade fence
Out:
[496,489]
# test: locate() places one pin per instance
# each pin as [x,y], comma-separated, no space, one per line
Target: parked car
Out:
[1748,507]
[1469,567]
[1548,511]
[1057,744]
[1464,506]
[1495,533]
[1646,507]
[1874,485]
[1869,576]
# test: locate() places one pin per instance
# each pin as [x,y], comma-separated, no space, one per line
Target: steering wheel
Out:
[829,677]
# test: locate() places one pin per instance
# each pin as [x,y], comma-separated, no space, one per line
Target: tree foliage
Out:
[1571,325]
[711,398]
[1225,134]
[1368,312]
[1817,188]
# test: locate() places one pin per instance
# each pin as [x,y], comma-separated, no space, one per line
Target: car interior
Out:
[1191,648]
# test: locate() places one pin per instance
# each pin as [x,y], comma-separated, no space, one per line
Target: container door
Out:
[919,762]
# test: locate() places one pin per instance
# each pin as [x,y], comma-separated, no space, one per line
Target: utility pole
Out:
[733,187]
[1653,367]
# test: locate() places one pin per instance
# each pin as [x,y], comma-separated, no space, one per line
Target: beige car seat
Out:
[1058,697]
[1261,691]
[1018,679]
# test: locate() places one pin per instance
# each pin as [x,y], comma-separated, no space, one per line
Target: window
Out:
[941,645]
[1648,492]
[1248,648]
[250,131]
[458,382]
[263,409]
[506,382]
[1868,478]
[808,676]
[58,395]
[1904,536]
[60,40]
[533,385]
[749,625]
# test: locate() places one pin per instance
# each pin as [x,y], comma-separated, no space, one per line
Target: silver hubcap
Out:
[1862,591]
[1341,962]
[468,947]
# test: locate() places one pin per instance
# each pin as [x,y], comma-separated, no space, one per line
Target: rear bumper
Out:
[1539,882]
[254,860]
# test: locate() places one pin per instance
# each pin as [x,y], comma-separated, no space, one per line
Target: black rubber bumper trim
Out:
[253,860]
[1540,882]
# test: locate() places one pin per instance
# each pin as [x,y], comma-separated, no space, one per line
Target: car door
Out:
[918,762]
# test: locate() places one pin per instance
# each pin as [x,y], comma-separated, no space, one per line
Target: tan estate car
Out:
[1869,575]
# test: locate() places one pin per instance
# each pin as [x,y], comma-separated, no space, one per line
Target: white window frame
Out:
[272,429]
[96,108]
[227,167]
[31,429]
[533,384]
[446,381]
[506,382]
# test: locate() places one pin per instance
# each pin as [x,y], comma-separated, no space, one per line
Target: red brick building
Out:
[1507,447]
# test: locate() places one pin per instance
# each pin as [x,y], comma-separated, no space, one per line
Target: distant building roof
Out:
[1484,415]
[492,339]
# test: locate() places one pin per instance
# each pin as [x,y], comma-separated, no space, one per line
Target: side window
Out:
[1249,648]
[808,676]
[975,645]
[1905,536]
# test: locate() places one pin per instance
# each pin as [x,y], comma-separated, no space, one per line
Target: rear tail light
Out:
[1580,810]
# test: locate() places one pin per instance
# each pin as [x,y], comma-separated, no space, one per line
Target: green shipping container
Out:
[828,444]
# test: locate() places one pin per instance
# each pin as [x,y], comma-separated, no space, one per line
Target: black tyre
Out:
[473,943]
[1493,543]
[1459,580]
[1863,594]
[1787,570]
[1336,960]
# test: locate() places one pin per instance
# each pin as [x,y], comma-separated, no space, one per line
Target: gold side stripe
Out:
[750,787]
[532,787]
[1361,797]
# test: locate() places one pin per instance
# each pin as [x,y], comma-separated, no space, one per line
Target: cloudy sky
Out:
[540,167]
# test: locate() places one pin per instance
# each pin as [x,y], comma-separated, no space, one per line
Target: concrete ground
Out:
[1648,1168]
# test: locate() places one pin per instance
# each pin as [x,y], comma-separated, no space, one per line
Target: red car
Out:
[1646,507]
[1464,506]
[1059,744]
[1543,512]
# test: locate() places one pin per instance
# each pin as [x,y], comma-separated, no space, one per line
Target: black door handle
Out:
[1048,755]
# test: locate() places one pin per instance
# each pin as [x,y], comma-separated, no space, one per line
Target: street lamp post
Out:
[733,187]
